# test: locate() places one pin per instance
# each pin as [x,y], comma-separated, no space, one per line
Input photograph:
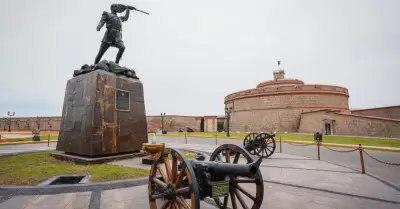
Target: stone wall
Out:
[302,101]
[31,123]
[210,123]
[280,112]
[287,89]
[175,122]
[350,125]
[384,112]
[171,123]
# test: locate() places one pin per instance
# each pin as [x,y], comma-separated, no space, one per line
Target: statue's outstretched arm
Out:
[126,17]
[102,21]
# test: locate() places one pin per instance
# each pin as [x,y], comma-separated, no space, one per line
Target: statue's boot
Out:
[119,55]
[103,48]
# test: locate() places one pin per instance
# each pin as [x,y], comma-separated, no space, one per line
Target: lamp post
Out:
[162,122]
[9,124]
[228,112]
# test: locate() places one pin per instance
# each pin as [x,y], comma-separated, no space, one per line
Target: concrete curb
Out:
[353,146]
[59,189]
[27,142]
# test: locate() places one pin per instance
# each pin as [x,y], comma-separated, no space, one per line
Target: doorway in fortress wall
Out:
[328,127]
[202,125]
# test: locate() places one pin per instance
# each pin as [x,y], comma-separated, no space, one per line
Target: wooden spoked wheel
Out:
[265,145]
[243,192]
[247,139]
[173,184]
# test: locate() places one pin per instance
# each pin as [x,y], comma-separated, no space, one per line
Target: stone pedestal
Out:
[103,115]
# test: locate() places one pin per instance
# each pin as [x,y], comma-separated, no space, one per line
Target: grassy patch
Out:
[188,155]
[31,169]
[206,134]
[303,137]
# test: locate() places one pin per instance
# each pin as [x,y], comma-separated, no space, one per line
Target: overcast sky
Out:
[191,54]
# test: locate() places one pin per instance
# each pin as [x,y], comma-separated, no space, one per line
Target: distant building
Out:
[278,105]
[289,105]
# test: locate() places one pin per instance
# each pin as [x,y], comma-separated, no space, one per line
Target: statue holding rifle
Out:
[113,34]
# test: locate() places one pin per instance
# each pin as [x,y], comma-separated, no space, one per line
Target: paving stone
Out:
[55,200]
[316,199]
[79,201]
[124,194]
[352,183]
[135,197]
[17,202]
[62,201]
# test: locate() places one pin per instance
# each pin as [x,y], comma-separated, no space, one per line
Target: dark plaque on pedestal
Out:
[103,114]
[122,100]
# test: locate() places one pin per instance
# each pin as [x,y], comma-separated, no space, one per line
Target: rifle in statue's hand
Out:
[133,8]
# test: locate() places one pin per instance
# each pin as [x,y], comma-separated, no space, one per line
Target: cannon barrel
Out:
[229,169]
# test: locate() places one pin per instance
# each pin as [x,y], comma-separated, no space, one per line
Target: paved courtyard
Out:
[289,182]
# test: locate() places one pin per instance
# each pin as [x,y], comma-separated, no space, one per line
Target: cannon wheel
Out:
[265,145]
[173,183]
[236,190]
[246,141]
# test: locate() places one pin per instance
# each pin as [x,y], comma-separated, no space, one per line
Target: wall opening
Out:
[202,125]
[328,129]
[220,126]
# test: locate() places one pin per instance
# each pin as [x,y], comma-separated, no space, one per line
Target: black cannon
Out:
[262,144]
[181,183]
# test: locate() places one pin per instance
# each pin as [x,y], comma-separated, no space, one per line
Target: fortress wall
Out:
[280,112]
[171,123]
[287,89]
[350,125]
[31,123]
[280,120]
[176,122]
[384,112]
[301,101]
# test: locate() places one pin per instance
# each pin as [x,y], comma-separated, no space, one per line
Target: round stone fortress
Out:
[277,105]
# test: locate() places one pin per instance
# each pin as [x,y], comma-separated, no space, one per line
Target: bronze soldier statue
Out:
[113,35]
